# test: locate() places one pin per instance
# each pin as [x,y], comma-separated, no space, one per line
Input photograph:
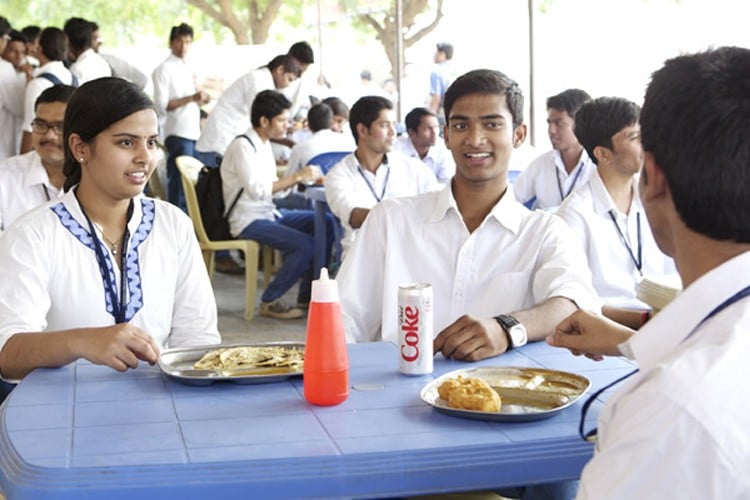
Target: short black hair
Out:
[291,65]
[446,49]
[182,29]
[486,81]
[54,44]
[269,104]
[4,26]
[338,106]
[80,34]
[319,117]
[365,111]
[302,52]
[17,36]
[569,100]
[414,118]
[31,33]
[696,123]
[598,120]
[55,93]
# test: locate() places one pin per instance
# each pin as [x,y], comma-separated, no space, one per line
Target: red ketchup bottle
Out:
[326,368]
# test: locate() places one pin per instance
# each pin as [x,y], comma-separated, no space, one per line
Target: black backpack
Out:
[210,196]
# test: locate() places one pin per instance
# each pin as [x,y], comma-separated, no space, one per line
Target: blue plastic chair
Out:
[326,161]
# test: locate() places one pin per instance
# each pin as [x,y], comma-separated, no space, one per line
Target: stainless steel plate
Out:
[527,393]
[178,364]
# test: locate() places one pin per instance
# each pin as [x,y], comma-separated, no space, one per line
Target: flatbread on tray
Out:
[232,358]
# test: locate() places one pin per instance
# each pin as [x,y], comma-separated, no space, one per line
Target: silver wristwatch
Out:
[515,331]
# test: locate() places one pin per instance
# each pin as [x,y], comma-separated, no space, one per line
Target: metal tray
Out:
[527,394]
[178,364]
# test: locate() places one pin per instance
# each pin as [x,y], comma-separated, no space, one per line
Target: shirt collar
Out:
[36,174]
[508,212]
[666,330]
[603,201]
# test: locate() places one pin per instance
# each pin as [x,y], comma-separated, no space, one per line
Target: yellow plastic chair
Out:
[189,168]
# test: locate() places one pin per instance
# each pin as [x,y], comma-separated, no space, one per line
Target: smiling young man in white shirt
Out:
[490,261]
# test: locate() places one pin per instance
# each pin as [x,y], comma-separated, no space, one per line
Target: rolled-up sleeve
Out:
[562,269]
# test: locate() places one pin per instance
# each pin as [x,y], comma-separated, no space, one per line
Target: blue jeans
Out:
[210,159]
[292,234]
[177,146]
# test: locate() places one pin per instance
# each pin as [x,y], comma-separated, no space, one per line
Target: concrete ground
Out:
[234,329]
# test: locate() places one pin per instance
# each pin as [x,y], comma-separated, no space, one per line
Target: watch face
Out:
[518,335]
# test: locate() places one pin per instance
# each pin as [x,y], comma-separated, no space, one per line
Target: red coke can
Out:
[415,328]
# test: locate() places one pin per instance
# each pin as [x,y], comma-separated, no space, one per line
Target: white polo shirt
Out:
[547,182]
[349,186]
[612,256]
[90,66]
[230,116]
[11,108]
[678,427]
[50,279]
[173,79]
[37,85]
[439,159]
[24,185]
[514,260]
[322,141]
[251,167]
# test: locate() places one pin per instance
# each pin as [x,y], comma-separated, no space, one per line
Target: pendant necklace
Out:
[112,244]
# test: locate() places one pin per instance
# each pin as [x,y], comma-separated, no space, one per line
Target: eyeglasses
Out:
[41,127]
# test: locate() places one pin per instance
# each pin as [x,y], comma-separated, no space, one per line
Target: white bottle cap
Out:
[324,289]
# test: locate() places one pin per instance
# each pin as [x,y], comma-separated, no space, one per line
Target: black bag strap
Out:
[56,81]
[237,198]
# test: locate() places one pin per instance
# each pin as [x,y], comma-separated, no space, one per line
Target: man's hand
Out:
[119,346]
[587,333]
[471,339]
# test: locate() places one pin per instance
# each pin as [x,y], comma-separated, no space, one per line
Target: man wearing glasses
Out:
[31,179]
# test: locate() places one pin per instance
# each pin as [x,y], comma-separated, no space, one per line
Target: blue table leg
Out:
[319,253]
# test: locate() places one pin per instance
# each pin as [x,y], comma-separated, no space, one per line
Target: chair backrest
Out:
[326,161]
[190,168]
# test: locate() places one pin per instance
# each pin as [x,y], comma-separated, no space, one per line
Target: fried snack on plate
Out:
[470,394]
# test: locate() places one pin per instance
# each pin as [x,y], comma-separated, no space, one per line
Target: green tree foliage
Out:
[248,21]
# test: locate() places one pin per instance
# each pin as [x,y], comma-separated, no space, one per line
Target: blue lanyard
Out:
[639,261]
[591,435]
[119,304]
[372,189]
[570,189]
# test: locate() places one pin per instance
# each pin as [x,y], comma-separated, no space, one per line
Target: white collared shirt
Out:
[24,185]
[11,108]
[547,182]
[349,186]
[230,116]
[514,260]
[174,79]
[679,426]
[251,167]
[439,158]
[50,279]
[615,274]
[37,85]
[90,66]
[322,141]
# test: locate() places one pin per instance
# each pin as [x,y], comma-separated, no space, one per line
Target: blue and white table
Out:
[85,431]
